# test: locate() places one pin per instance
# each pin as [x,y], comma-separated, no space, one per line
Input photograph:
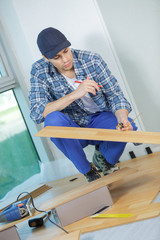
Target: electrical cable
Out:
[47,213]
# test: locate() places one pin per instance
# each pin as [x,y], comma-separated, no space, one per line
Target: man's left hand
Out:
[122,118]
[125,126]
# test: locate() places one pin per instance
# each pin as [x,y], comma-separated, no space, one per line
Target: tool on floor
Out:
[16,211]
[36,222]
[119,215]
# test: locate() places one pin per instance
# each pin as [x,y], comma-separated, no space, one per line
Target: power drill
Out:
[15,211]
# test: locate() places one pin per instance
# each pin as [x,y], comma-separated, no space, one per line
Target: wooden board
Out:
[84,189]
[100,134]
[55,201]
[134,193]
[71,236]
[90,225]
[38,190]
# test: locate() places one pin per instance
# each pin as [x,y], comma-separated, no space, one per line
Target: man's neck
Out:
[69,74]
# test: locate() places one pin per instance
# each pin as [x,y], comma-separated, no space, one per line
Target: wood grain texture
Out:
[84,189]
[133,193]
[100,134]
[71,236]
[50,200]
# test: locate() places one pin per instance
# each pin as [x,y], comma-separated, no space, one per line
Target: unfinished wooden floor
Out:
[133,194]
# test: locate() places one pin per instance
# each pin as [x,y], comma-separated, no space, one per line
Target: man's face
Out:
[63,61]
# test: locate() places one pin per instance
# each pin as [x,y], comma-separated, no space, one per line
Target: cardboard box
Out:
[83,206]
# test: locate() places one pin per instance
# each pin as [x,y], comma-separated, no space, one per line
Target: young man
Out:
[75,88]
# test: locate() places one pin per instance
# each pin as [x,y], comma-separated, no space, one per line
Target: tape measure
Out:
[121,215]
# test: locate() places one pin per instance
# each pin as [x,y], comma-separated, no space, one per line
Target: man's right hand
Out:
[58,105]
[87,86]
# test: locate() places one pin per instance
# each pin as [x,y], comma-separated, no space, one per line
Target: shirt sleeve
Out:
[111,88]
[38,96]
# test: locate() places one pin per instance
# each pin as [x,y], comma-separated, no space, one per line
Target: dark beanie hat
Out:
[51,41]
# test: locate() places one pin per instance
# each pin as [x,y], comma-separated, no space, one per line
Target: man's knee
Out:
[56,118]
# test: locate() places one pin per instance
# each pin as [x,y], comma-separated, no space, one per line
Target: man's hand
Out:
[124,126]
[122,117]
[87,86]
[84,87]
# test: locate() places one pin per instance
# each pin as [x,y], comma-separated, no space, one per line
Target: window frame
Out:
[7,82]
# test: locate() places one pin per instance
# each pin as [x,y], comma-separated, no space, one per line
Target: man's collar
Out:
[52,68]
[78,67]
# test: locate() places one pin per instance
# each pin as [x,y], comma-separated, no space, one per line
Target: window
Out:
[7,80]
[18,157]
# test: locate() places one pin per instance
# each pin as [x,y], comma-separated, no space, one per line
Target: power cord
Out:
[39,221]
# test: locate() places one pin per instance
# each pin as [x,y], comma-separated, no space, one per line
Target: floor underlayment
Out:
[137,193]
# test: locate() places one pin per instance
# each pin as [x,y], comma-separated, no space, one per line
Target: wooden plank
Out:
[72,194]
[34,193]
[132,194]
[90,187]
[88,224]
[100,134]
[71,236]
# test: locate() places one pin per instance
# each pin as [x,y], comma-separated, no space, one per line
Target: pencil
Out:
[81,82]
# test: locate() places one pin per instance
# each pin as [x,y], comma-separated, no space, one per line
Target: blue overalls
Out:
[73,148]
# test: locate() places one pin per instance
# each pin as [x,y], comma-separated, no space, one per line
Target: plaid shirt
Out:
[48,85]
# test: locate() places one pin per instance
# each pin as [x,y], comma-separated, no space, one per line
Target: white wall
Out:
[134,29]
[79,20]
